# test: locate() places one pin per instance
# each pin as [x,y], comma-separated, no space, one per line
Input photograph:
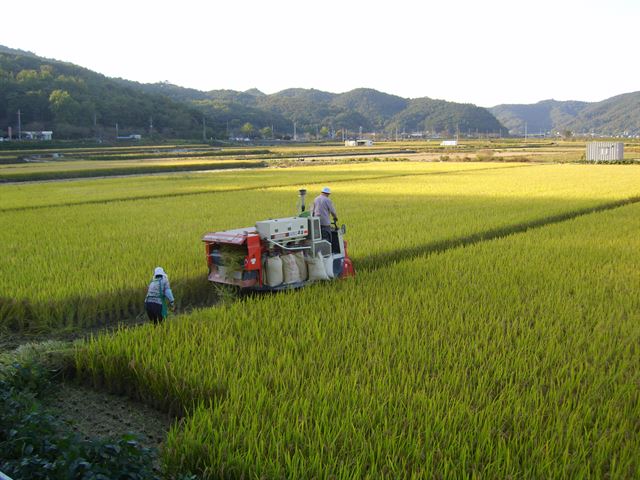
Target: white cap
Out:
[159,271]
[326,190]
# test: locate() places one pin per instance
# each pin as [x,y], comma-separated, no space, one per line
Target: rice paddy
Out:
[492,329]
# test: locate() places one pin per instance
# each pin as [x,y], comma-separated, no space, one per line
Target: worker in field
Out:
[159,295]
[323,208]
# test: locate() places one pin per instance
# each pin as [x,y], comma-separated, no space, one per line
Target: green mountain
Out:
[375,106]
[445,117]
[77,103]
[619,115]
[544,116]
[310,109]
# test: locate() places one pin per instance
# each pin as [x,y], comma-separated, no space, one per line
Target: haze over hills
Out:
[615,116]
[75,102]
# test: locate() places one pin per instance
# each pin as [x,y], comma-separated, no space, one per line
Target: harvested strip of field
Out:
[19,197]
[21,156]
[511,358]
[85,169]
[91,262]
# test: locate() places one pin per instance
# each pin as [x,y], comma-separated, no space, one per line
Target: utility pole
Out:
[525,131]
[295,135]
[117,131]
[19,125]
[150,125]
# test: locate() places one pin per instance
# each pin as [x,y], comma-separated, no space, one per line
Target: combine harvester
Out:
[278,254]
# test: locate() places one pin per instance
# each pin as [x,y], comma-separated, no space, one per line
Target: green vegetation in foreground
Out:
[37,445]
[510,358]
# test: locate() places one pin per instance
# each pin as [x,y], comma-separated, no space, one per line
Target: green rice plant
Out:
[515,357]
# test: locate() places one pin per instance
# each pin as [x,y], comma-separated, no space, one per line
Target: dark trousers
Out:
[154,311]
[325,230]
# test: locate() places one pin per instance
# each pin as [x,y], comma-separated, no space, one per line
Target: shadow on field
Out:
[82,315]
[383,260]
[72,317]
[248,189]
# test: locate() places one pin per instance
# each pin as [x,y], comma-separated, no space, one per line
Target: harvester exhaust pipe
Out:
[303,194]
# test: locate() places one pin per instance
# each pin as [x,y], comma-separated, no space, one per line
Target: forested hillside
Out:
[441,116]
[619,115]
[364,108]
[77,103]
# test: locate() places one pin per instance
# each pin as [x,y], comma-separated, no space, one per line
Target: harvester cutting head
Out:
[278,254]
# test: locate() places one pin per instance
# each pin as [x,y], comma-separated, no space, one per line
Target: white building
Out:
[449,143]
[38,135]
[358,143]
[605,151]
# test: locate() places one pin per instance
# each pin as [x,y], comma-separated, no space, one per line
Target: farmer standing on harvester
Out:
[323,207]
[158,294]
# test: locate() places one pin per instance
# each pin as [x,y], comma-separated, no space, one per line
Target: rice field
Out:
[492,330]
[90,261]
[515,358]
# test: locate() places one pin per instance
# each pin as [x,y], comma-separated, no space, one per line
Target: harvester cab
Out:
[278,254]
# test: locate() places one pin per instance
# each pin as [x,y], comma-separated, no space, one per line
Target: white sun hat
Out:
[159,271]
[326,190]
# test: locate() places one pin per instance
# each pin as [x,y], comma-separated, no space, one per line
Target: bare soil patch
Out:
[93,413]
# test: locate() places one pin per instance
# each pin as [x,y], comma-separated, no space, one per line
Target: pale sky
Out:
[473,51]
